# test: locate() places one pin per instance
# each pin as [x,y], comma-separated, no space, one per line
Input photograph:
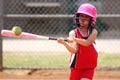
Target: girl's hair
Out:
[91,26]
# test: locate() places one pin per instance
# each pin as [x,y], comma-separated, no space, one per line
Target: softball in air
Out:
[17,30]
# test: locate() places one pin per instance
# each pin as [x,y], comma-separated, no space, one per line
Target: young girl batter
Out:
[81,43]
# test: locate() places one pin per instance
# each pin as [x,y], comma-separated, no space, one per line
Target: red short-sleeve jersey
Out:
[86,56]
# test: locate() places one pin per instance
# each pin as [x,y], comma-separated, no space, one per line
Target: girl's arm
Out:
[71,46]
[89,40]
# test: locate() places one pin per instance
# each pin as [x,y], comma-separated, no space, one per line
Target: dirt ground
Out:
[61,74]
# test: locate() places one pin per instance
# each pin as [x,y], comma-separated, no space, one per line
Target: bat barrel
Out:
[9,33]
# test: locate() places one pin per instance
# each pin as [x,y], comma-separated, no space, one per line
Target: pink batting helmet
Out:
[89,10]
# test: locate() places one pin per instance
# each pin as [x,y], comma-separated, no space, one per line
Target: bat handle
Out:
[52,38]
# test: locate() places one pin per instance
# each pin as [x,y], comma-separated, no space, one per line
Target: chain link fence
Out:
[54,18]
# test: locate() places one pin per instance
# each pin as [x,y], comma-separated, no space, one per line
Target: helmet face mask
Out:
[81,18]
[84,17]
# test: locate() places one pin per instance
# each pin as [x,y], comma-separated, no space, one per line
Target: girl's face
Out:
[84,20]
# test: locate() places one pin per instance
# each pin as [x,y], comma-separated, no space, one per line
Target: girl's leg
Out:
[87,74]
[75,74]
